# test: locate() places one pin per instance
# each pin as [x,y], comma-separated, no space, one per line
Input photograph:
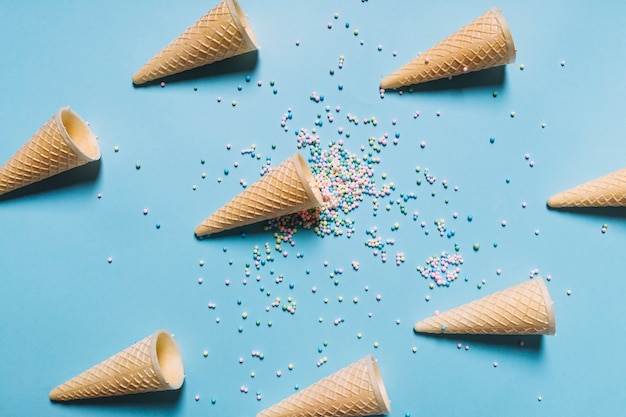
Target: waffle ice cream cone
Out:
[63,143]
[606,191]
[222,33]
[286,189]
[518,310]
[484,43]
[152,364]
[356,390]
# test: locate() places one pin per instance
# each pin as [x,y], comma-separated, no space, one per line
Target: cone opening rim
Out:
[376,379]
[307,179]
[77,134]
[168,361]
[241,20]
[506,32]
[547,300]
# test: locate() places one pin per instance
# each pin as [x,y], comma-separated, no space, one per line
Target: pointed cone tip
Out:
[202,231]
[555,201]
[55,394]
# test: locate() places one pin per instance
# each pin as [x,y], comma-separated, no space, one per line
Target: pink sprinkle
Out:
[227,282]
[109,260]
[422,144]
[162,84]
[297,43]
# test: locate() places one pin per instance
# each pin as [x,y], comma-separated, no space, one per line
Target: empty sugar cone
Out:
[63,143]
[605,191]
[289,188]
[356,390]
[152,364]
[224,32]
[518,310]
[484,43]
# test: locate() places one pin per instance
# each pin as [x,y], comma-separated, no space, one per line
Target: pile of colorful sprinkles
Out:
[343,178]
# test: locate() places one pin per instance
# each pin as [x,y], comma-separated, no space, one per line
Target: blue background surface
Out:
[64,308]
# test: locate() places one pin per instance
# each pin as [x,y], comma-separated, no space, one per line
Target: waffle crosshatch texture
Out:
[222,33]
[63,143]
[484,43]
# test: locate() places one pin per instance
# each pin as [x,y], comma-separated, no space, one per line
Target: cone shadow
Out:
[530,342]
[491,77]
[252,229]
[162,400]
[243,63]
[84,174]
[604,212]
[258,228]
